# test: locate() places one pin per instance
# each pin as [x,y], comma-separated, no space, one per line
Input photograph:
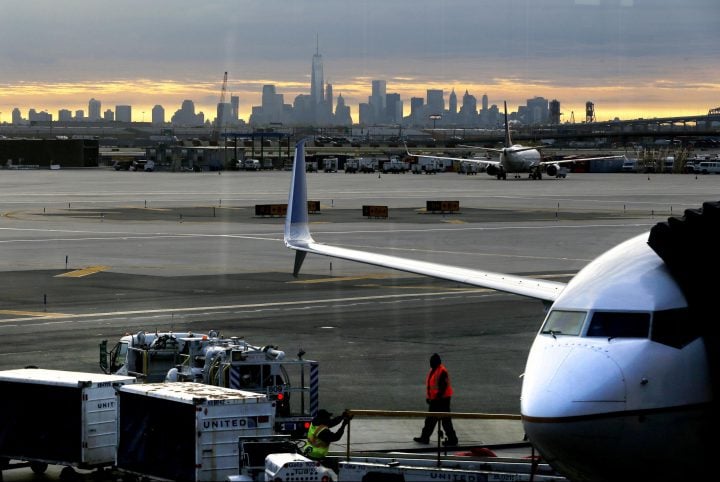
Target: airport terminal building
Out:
[44,153]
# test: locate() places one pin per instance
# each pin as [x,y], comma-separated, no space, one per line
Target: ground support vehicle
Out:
[251,165]
[351,165]
[426,166]
[288,465]
[395,166]
[187,431]
[468,168]
[367,165]
[708,167]
[282,463]
[293,384]
[59,418]
[330,164]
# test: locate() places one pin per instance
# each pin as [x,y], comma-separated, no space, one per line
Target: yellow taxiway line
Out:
[36,314]
[79,273]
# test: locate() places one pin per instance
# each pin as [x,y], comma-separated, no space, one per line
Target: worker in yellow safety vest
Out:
[319,436]
[438,393]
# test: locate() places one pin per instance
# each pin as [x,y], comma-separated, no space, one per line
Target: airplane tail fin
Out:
[508,140]
[297,231]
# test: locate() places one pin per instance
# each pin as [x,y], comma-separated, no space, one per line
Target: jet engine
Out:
[552,169]
[492,170]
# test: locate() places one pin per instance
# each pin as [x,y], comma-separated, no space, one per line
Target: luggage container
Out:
[187,431]
[58,417]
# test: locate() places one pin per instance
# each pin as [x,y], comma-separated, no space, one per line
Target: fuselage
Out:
[519,159]
[616,383]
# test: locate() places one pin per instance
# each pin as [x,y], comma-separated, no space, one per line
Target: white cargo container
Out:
[59,417]
[187,431]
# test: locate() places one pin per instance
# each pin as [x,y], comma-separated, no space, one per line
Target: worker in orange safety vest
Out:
[438,393]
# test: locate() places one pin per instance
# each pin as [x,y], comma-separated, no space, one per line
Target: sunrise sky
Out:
[632,58]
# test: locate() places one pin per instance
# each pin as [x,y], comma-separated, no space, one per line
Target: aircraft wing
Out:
[577,159]
[475,160]
[299,238]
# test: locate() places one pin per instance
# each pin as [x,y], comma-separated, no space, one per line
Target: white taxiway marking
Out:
[296,305]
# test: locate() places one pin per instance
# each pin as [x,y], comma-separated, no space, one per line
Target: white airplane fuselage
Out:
[514,160]
[597,405]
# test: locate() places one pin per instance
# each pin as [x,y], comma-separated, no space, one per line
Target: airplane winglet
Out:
[297,231]
[299,258]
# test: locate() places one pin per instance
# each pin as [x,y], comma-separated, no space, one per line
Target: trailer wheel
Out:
[38,467]
[68,474]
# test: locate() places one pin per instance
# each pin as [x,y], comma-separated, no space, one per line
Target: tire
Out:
[68,474]
[38,467]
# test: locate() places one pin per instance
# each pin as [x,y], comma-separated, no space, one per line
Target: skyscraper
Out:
[537,111]
[394,108]
[328,103]
[17,116]
[452,103]
[235,102]
[158,115]
[94,110]
[64,115]
[377,100]
[342,113]
[435,102]
[417,109]
[316,78]
[123,113]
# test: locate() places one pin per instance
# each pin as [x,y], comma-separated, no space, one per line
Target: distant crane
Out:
[220,112]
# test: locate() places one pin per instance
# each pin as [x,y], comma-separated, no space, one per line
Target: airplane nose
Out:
[571,380]
[565,392]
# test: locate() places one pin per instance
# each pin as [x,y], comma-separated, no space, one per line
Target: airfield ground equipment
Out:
[52,417]
[292,384]
[187,431]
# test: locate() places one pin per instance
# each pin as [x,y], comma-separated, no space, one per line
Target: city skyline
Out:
[632,58]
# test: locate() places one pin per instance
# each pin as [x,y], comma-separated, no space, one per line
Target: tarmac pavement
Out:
[185,251]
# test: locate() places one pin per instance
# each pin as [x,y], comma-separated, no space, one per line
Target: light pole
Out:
[434,118]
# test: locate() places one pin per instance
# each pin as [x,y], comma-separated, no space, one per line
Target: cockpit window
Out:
[675,328]
[617,324]
[561,322]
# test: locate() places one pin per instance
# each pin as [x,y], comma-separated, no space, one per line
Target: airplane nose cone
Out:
[570,380]
[567,386]
[574,413]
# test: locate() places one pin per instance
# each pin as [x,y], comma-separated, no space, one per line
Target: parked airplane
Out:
[618,383]
[515,158]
